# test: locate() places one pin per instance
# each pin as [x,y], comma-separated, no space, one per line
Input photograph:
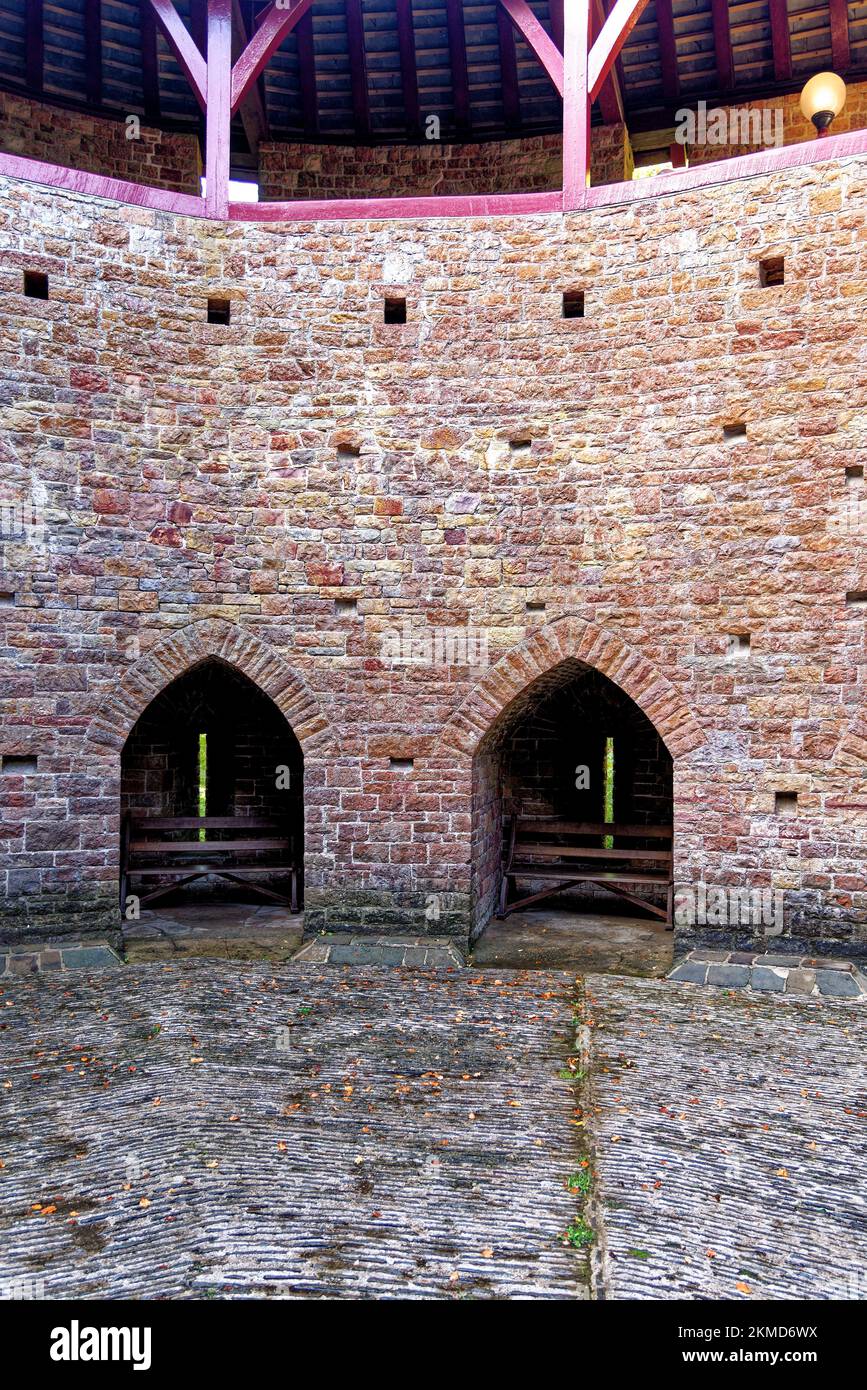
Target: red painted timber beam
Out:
[610,98]
[615,31]
[183,47]
[275,24]
[538,39]
[252,108]
[758,165]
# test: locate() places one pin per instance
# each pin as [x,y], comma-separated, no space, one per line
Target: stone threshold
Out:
[340,948]
[772,972]
[76,955]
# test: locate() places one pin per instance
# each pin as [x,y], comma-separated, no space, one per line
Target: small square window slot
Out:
[521,443]
[346,607]
[394,311]
[535,605]
[735,431]
[857,598]
[771,272]
[402,764]
[7,598]
[18,764]
[738,645]
[348,451]
[219,311]
[35,284]
[573,304]
[786,803]
[855,474]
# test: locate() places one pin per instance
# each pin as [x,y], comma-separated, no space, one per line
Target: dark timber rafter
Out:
[307,75]
[780,39]
[252,108]
[408,70]
[508,70]
[840,50]
[722,38]
[34,45]
[358,68]
[93,50]
[458,59]
[667,50]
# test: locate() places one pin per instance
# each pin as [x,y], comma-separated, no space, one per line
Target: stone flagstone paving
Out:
[196,1131]
[729,1137]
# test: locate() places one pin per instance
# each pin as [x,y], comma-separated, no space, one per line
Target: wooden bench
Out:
[149,850]
[571,852]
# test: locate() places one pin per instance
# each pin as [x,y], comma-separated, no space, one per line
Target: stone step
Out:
[344,948]
[66,955]
[772,972]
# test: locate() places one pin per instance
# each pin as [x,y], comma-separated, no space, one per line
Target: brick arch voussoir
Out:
[547,648]
[181,651]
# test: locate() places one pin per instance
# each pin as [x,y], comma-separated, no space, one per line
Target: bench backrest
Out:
[547,839]
[155,834]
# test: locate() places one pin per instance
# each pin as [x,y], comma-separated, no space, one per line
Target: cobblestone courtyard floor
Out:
[228,1130]
[729,1131]
[217,1129]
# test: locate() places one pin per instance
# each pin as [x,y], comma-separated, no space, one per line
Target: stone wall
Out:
[781,114]
[523,165]
[316,497]
[77,141]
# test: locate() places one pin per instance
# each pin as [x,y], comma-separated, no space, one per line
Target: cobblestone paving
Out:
[193,1130]
[729,1143]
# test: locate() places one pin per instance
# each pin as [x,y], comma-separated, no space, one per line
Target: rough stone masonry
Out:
[667,489]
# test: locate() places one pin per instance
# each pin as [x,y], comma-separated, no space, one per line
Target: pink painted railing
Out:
[579,74]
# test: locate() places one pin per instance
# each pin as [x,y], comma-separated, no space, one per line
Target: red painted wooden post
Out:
[576,103]
[218,113]
[622,19]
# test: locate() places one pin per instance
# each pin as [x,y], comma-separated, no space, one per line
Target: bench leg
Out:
[293,902]
[504,898]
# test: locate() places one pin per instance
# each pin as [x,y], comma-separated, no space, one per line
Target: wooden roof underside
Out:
[342,74]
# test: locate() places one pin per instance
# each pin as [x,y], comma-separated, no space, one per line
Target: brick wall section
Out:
[527,165]
[211,490]
[96,146]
